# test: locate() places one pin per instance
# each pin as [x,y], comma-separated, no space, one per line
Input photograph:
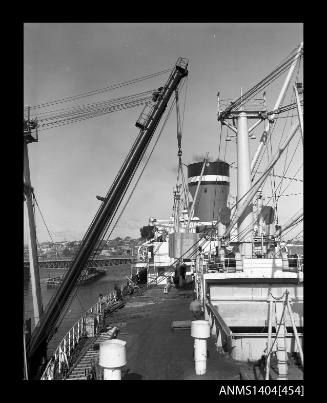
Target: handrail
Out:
[71,339]
[223,327]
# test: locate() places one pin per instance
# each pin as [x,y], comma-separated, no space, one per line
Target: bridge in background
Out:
[94,263]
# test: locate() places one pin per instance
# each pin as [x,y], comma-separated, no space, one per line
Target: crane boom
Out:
[148,123]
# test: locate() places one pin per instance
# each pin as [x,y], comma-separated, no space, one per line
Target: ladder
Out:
[277,305]
[281,350]
[280,305]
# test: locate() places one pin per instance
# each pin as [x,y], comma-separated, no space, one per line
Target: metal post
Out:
[25,354]
[270,312]
[59,355]
[32,248]
[245,225]
[203,280]
[295,331]
[299,109]
[69,343]
[74,336]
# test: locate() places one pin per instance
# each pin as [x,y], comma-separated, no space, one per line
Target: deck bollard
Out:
[112,357]
[200,331]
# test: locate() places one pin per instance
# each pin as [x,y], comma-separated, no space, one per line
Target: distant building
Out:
[105,252]
[126,249]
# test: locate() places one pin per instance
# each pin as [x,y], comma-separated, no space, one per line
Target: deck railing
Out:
[61,359]
[219,327]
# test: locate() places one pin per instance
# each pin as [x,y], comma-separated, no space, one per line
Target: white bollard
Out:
[112,357]
[200,330]
[113,374]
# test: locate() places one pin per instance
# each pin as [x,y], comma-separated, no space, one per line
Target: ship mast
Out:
[266,133]
[258,111]
[245,222]
[30,126]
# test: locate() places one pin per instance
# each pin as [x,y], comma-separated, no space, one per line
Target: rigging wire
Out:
[92,105]
[286,170]
[272,181]
[185,97]
[271,132]
[282,192]
[292,228]
[261,85]
[272,178]
[237,202]
[279,176]
[279,110]
[297,235]
[91,114]
[286,155]
[37,204]
[100,90]
[267,203]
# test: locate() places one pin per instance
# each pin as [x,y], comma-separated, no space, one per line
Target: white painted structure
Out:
[200,331]
[112,357]
[241,299]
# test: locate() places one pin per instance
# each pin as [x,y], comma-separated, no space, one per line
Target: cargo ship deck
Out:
[156,351]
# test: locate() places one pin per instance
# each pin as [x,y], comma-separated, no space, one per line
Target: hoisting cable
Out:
[110,222]
[143,169]
[180,173]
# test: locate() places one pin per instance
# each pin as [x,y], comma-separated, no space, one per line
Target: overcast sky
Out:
[72,164]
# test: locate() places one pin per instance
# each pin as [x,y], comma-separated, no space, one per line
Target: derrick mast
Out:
[147,123]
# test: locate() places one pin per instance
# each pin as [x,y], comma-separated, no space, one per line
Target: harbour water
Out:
[86,296]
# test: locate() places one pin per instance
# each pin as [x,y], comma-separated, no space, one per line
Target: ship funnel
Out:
[213,191]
